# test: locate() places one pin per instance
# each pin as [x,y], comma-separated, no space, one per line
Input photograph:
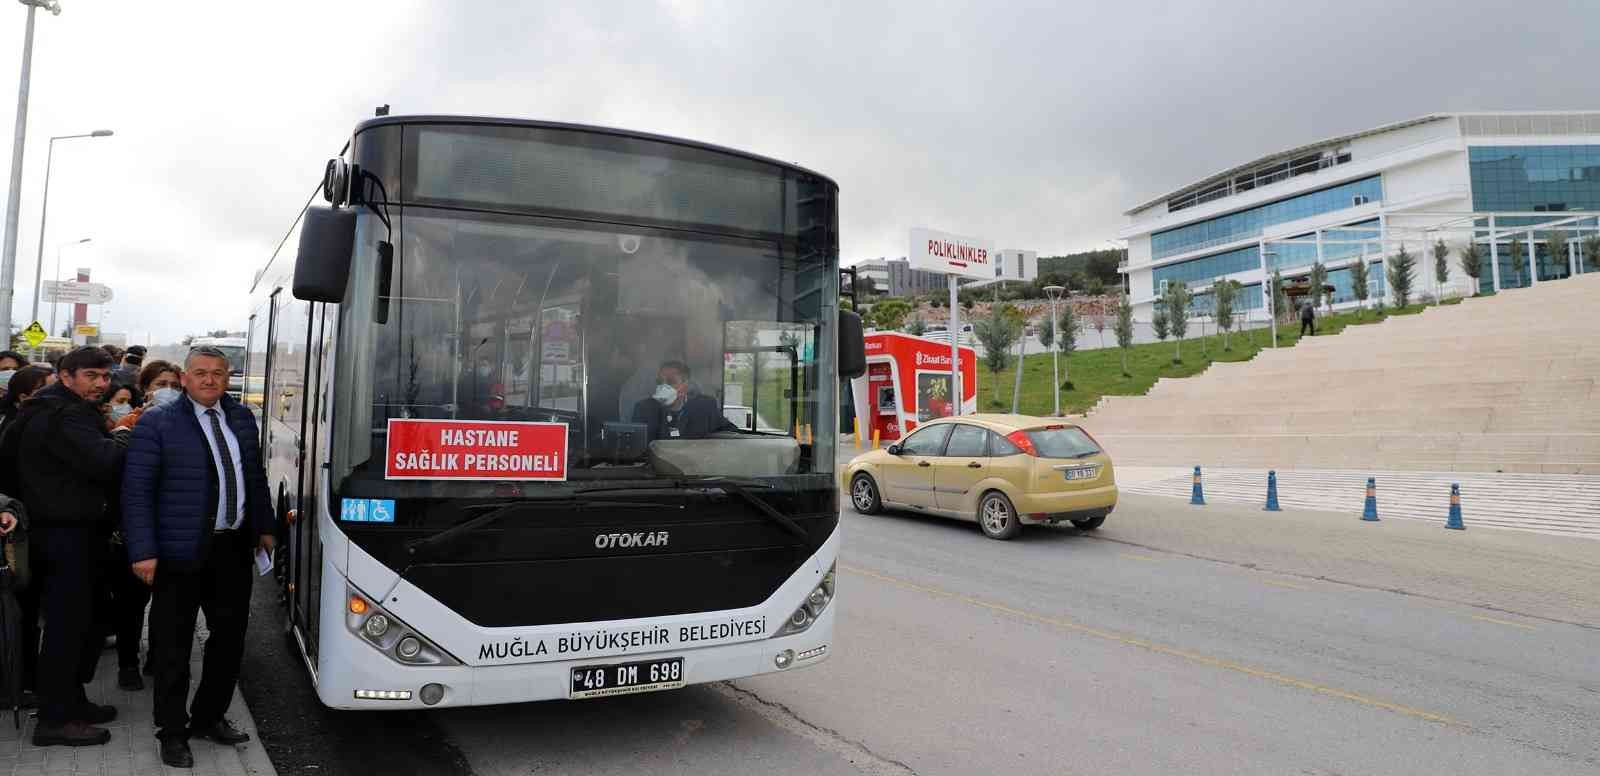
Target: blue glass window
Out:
[1528,178]
[1249,223]
[1208,268]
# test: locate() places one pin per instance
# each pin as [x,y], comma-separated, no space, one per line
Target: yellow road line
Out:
[1134,641]
[1503,622]
[1135,556]
[1285,585]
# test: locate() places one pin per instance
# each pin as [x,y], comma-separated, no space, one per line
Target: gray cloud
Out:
[1033,123]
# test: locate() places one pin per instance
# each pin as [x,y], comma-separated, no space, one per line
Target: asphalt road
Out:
[1172,640]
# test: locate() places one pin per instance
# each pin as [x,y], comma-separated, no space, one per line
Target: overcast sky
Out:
[1034,124]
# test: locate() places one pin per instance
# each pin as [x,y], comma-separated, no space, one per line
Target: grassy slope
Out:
[1097,373]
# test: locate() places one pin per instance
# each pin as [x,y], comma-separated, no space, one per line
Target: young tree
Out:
[1402,274]
[1099,323]
[1359,280]
[1124,329]
[1518,253]
[1047,336]
[1178,309]
[916,326]
[1319,279]
[1280,297]
[1591,254]
[1223,292]
[1441,268]
[1555,242]
[1471,261]
[1068,326]
[890,313]
[1159,320]
[997,332]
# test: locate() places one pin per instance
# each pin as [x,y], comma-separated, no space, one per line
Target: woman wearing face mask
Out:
[159,382]
[120,401]
[26,382]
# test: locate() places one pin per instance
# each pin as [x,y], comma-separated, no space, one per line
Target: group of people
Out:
[134,484]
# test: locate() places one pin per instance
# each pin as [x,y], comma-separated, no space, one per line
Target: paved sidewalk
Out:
[1564,505]
[133,750]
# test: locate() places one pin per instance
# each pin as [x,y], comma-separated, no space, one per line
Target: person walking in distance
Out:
[68,466]
[195,506]
[1308,318]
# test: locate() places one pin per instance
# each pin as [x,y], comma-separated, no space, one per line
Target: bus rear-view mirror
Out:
[852,346]
[322,267]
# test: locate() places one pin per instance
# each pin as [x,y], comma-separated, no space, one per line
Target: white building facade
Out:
[1484,179]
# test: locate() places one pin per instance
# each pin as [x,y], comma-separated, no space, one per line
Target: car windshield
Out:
[663,354]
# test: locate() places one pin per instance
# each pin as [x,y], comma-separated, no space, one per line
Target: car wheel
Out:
[1090,524]
[997,517]
[864,495]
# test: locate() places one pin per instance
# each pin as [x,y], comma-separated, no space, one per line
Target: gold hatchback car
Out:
[1004,471]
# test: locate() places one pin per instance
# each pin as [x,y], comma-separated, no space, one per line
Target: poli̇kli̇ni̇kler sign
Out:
[951,254]
[475,450]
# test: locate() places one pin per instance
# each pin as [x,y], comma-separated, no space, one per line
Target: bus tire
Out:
[864,494]
[997,517]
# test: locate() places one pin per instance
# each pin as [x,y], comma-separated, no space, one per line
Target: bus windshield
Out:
[514,318]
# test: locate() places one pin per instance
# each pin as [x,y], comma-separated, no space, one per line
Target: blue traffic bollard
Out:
[1197,496]
[1369,512]
[1454,520]
[1272,492]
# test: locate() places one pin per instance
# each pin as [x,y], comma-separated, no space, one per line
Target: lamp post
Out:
[1054,292]
[1272,296]
[57,305]
[8,259]
[44,211]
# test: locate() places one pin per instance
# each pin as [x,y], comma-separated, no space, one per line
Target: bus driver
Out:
[676,410]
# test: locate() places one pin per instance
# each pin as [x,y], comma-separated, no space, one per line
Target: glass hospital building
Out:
[1485,178]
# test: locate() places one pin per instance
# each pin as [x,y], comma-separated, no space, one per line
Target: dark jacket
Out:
[68,466]
[1308,312]
[169,490]
[698,418]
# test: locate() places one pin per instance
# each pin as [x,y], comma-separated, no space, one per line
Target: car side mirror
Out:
[852,346]
[322,266]
[894,449]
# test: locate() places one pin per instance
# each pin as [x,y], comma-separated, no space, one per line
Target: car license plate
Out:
[1080,472]
[627,678]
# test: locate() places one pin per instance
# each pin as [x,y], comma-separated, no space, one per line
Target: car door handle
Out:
[974,465]
[923,463]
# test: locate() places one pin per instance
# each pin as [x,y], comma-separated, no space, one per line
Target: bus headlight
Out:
[815,603]
[383,632]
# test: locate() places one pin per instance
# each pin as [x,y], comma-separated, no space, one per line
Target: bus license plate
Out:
[627,678]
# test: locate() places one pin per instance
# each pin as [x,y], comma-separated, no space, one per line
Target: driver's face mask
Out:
[665,394]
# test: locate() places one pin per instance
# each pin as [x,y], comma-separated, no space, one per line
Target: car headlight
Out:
[383,632]
[815,603]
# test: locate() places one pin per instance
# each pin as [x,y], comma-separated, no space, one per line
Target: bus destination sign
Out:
[475,450]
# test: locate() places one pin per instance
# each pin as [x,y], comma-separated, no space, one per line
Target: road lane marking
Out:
[1135,556]
[1145,644]
[1285,585]
[1503,622]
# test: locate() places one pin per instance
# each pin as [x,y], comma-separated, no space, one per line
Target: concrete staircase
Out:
[1509,383]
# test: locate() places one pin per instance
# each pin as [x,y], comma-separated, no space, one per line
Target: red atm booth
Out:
[908,382]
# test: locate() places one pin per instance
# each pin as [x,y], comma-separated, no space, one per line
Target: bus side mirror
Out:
[322,267]
[852,346]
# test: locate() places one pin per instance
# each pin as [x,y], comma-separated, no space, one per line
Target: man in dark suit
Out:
[195,506]
[676,410]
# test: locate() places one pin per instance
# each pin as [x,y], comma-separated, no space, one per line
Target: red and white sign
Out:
[908,382]
[952,254]
[475,450]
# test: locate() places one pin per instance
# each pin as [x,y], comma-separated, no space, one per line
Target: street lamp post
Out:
[1272,295]
[44,212]
[1054,292]
[54,306]
[8,259]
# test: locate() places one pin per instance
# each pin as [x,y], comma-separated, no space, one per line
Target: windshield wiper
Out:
[498,512]
[737,486]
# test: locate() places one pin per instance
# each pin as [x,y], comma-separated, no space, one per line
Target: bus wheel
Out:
[997,517]
[864,495]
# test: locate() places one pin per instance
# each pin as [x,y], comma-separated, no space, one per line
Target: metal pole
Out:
[955,347]
[8,262]
[1016,387]
[1055,352]
[44,210]
[53,305]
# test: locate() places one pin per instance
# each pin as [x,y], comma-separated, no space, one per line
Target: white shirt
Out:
[233,451]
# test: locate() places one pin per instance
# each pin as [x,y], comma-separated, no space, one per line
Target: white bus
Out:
[451,371]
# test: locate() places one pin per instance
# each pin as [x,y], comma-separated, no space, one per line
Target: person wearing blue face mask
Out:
[158,381]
